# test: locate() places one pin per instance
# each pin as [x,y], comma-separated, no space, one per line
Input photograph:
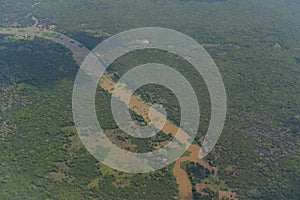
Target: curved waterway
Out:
[138,105]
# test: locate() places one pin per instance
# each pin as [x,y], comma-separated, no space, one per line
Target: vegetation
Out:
[255,44]
[40,147]
[16,13]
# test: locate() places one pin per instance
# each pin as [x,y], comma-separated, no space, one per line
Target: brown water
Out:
[136,104]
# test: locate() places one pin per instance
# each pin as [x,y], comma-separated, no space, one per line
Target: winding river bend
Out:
[139,106]
[79,51]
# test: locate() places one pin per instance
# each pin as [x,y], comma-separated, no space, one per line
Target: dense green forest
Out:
[41,155]
[256,46]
